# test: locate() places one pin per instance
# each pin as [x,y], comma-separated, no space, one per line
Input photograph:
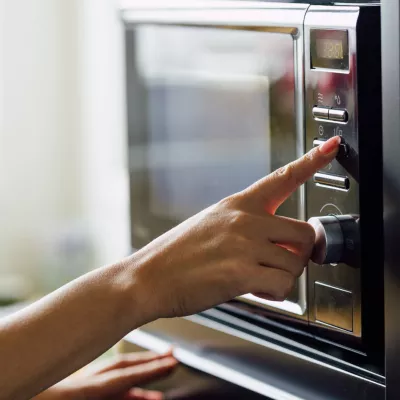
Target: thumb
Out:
[276,187]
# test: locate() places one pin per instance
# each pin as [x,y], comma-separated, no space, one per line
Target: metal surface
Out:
[332,181]
[260,16]
[256,363]
[333,306]
[212,29]
[337,115]
[328,114]
[245,33]
[340,89]
[391,190]
[320,112]
[193,4]
[349,368]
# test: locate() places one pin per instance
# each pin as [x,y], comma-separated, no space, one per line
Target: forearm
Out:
[65,330]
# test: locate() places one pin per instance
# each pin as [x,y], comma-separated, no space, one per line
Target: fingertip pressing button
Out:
[343,147]
[343,150]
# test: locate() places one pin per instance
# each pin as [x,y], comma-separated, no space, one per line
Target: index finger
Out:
[275,188]
[126,360]
[114,382]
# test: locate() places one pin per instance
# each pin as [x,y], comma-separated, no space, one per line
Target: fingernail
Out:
[330,145]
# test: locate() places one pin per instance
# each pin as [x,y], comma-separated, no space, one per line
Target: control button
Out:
[318,142]
[320,112]
[336,240]
[343,147]
[337,115]
[328,246]
[333,306]
[343,150]
[332,181]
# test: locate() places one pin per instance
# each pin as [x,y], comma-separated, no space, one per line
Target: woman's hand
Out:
[234,247]
[116,379]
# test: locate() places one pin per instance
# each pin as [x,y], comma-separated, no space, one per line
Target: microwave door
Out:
[212,107]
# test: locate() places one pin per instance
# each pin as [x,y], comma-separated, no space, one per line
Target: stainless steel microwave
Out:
[220,94]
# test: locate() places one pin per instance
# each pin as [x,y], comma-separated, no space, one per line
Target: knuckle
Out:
[232,201]
[307,242]
[297,266]
[236,221]
[242,243]
[288,173]
[282,172]
[306,257]
[286,285]
[309,234]
[120,361]
[294,264]
[310,156]
[301,266]
[226,202]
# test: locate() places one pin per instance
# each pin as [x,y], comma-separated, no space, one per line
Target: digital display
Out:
[329,49]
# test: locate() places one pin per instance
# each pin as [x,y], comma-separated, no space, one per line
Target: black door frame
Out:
[391,189]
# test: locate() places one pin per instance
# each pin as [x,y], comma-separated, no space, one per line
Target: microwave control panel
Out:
[340,68]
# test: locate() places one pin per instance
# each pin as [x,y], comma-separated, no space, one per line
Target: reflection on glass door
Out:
[211,111]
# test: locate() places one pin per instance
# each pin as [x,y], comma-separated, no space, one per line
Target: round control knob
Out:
[336,239]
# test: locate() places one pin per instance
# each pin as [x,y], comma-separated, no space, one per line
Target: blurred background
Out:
[63,182]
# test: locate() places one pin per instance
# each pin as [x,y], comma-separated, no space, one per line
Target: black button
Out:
[343,149]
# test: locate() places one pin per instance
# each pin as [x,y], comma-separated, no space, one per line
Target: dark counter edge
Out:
[203,343]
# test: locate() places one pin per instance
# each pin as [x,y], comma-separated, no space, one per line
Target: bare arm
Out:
[234,247]
[55,336]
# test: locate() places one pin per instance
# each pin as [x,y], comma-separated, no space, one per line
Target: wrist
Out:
[137,302]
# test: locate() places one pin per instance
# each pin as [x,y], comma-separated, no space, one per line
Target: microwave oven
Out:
[222,93]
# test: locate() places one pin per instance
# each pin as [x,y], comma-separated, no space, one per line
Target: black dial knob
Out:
[336,239]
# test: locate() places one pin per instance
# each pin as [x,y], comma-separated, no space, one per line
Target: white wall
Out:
[103,124]
[63,185]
